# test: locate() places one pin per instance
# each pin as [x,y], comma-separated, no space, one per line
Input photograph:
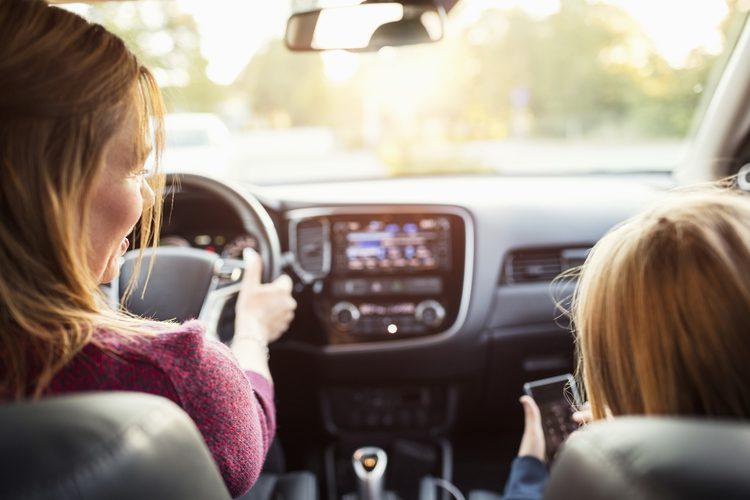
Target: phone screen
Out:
[558,399]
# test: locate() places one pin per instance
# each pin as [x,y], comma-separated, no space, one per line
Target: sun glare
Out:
[232,31]
[677,27]
[352,27]
[339,65]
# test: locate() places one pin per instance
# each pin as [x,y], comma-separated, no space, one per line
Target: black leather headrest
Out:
[104,446]
[654,458]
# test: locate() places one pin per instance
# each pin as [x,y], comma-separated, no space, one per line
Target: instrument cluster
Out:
[227,245]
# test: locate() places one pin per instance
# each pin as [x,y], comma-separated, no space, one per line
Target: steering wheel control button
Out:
[430,313]
[344,315]
[231,275]
[228,272]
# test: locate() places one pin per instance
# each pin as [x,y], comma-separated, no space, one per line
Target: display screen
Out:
[417,244]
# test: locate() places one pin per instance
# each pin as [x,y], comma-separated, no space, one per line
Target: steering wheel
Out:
[190,283]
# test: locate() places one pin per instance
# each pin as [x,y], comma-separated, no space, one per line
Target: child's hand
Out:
[532,442]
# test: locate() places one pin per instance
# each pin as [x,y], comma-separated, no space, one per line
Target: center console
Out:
[378,278]
[395,274]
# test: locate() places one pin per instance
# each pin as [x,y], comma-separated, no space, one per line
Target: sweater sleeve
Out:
[233,410]
[528,477]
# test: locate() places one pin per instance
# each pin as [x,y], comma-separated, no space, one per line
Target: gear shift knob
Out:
[369,465]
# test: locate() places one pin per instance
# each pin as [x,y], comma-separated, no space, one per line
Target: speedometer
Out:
[233,249]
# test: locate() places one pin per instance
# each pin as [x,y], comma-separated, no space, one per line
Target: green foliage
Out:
[168,43]
[587,71]
[286,87]
[562,63]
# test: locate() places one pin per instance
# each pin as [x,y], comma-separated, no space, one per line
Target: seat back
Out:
[647,458]
[104,446]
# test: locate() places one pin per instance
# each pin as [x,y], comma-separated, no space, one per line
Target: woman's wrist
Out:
[250,346]
[247,327]
[250,341]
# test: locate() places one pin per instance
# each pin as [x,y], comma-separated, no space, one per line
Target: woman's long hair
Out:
[662,310]
[66,86]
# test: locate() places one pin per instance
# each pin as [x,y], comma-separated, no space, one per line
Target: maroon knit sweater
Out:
[233,410]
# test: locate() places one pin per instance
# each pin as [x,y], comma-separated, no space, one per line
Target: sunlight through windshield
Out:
[514,87]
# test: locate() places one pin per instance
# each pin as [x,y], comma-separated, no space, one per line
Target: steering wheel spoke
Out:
[187,283]
[224,287]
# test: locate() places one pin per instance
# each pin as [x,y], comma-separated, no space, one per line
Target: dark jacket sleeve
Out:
[528,476]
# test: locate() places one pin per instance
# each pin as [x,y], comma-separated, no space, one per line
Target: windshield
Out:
[515,87]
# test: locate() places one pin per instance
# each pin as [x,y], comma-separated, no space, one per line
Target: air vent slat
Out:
[311,246]
[540,265]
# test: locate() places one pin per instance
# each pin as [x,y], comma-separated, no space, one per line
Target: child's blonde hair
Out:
[662,310]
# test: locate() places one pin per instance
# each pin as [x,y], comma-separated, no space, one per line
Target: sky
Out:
[677,26]
[229,41]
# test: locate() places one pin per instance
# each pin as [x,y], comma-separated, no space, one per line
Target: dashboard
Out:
[388,264]
[515,234]
[439,289]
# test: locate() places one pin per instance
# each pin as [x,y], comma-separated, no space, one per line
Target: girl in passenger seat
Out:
[76,109]
[661,317]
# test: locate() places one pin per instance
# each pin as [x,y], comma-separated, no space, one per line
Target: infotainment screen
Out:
[398,244]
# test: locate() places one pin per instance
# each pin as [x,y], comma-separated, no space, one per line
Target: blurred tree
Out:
[168,43]
[586,70]
[286,88]
[574,90]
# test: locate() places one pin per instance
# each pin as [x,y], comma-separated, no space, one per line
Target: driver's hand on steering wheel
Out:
[263,309]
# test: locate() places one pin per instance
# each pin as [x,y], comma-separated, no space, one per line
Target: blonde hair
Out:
[662,309]
[66,86]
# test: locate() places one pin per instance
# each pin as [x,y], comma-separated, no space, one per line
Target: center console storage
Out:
[415,409]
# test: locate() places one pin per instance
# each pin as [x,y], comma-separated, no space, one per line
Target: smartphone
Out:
[557,398]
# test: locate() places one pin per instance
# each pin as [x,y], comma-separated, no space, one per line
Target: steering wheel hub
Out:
[179,282]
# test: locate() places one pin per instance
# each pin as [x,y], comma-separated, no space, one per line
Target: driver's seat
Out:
[114,446]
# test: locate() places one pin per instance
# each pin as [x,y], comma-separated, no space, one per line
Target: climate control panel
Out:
[390,319]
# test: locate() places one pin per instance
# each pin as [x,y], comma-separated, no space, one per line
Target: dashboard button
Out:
[344,315]
[429,313]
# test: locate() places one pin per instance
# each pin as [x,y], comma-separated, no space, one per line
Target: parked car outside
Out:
[197,143]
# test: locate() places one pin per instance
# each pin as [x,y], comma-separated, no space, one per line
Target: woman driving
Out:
[77,116]
[660,314]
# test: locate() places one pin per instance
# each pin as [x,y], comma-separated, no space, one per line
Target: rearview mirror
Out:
[365,26]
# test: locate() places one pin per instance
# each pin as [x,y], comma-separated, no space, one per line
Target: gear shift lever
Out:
[369,465]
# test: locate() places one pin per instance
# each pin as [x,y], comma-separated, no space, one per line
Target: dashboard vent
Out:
[541,264]
[312,241]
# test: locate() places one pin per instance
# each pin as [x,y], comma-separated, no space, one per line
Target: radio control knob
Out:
[430,313]
[344,315]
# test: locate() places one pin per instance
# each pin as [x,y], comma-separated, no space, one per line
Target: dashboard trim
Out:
[296,216]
